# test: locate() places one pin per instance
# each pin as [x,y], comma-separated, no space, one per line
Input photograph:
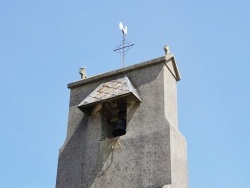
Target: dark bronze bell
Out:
[119,128]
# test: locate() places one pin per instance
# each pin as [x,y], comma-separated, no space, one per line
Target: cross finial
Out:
[124,46]
[167,51]
[82,72]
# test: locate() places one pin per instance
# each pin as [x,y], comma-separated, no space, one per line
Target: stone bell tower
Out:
[123,130]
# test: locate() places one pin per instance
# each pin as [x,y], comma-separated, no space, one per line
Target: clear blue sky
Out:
[44,42]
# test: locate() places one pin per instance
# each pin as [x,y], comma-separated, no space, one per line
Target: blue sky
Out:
[43,43]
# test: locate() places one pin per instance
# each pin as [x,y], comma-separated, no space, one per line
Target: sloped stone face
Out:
[142,158]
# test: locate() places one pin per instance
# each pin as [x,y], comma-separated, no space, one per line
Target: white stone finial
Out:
[82,72]
[167,51]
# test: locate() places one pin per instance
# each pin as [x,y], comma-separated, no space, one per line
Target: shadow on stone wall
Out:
[80,161]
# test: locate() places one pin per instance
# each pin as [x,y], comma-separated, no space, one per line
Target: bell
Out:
[119,128]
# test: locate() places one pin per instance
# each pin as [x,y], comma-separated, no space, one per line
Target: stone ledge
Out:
[122,71]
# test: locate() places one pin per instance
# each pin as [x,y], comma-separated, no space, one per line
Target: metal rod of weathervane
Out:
[124,45]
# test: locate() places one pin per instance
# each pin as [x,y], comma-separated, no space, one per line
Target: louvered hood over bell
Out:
[107,91]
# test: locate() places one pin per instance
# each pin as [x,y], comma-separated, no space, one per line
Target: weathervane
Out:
[124,45]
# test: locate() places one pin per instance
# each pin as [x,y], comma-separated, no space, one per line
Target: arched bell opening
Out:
[115,117]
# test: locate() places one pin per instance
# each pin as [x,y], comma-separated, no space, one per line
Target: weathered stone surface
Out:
[166,186]
[152,154]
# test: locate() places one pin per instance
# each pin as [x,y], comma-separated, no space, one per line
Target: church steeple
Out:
[123,129]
